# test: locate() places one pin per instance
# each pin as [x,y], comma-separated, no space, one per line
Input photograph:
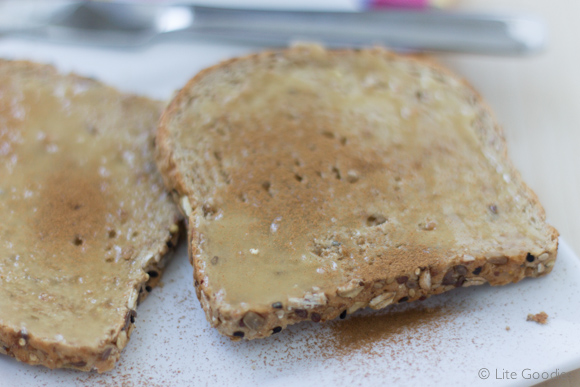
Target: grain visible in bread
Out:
[320,182]
[86,224]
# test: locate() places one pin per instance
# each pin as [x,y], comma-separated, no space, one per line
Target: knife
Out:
[133,24]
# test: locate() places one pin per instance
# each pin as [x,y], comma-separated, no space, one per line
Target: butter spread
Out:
[313,171]
[82,209]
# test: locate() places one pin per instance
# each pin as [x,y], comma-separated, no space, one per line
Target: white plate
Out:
[462,338]
[173,344]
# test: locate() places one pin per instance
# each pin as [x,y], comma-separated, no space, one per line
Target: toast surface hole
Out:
[376,220]
[78,241]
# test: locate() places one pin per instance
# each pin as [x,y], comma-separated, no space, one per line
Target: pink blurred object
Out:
[408,3]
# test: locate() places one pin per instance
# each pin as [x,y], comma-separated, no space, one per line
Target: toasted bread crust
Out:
[61,355]
[418,283]
[26,345]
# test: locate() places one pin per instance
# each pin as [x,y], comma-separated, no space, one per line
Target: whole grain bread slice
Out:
[86,224]
[320,182]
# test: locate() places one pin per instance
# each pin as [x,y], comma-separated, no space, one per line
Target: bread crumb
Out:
[507,328]
[540,318]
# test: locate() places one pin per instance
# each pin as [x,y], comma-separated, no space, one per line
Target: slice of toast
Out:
[320,182]
[86,224]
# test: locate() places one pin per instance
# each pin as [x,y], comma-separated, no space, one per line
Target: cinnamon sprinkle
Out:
[362,333]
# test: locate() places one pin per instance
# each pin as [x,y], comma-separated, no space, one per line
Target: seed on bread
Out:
[382,300]
[351,290]
[543,257]
[498,260]
[356,306]
[425,280]
[186,206]
[309,301]
[471,281]
[253,320]
[467,258]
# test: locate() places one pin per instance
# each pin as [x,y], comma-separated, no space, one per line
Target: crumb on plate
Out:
[540,318]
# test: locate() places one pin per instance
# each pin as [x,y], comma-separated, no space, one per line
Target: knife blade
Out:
[132,24]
